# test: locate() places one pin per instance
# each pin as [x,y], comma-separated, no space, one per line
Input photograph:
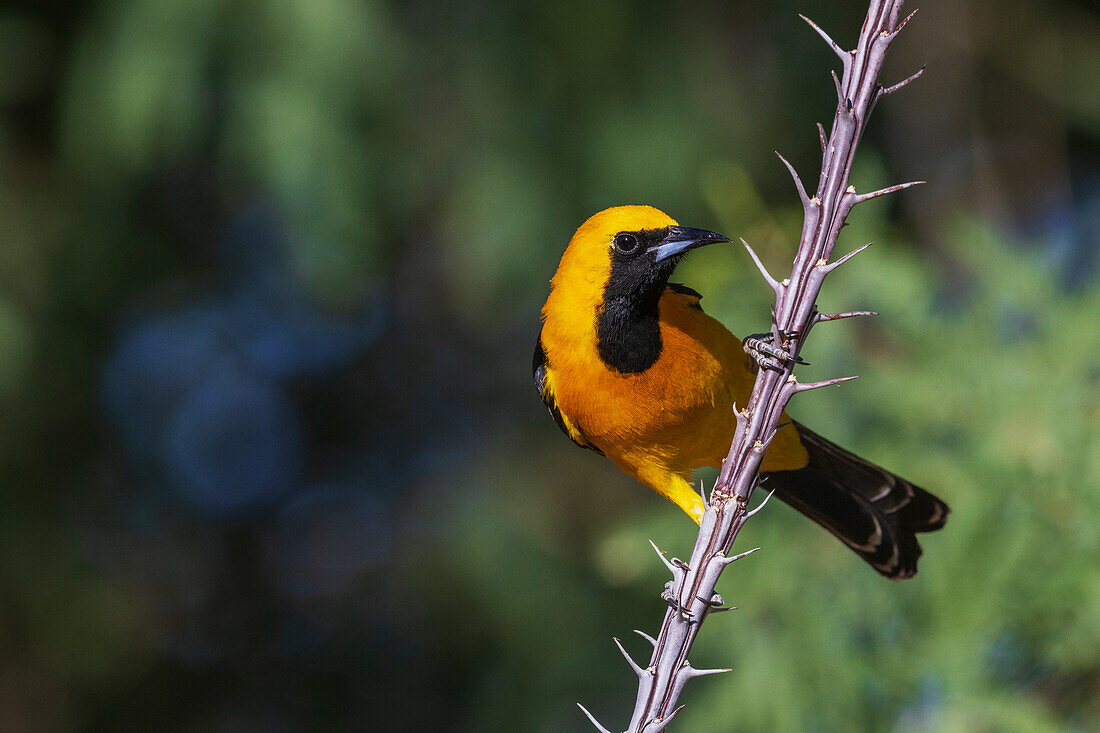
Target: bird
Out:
[631,367]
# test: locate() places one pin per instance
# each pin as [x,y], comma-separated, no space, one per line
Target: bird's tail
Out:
[871,510]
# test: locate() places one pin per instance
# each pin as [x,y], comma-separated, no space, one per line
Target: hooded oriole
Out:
[631,367]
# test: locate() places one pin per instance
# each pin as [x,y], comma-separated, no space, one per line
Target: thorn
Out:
[670,566]
[827,383]
[821,136]
[629,660]
[837,316]
[762,445]
[593,719]
[836,82]
[844,56]
[882,92]
[903,23]
[691,672]
[760,266]
[734,558]
[860,198]
[762,505]
[647,637]
[797,181]
[833,265]
[662,723]
[702,491]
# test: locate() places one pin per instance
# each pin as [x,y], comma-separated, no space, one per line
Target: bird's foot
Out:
[672,598]
[714,604]
[762,348]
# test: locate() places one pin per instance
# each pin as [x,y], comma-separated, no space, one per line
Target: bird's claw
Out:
[761,348]
[672,598]
[713,604]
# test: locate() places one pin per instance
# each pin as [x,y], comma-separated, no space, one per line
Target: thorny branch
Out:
[690,594]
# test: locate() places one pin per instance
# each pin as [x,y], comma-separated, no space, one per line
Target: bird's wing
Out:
[543,383]
[693,296]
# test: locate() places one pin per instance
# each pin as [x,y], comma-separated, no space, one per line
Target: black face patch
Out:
[628,330]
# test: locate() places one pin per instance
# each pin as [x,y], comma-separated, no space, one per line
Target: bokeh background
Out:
[270,274]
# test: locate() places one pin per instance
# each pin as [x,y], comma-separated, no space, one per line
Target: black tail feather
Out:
[873,511]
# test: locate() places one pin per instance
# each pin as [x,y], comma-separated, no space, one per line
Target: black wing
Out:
[683,290]
[538,369]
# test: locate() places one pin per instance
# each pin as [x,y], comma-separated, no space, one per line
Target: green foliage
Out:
[997,417]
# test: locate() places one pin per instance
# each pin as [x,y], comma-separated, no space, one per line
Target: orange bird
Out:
[631,367]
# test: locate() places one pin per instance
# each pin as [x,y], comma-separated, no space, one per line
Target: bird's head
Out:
[606,291]
[626,252]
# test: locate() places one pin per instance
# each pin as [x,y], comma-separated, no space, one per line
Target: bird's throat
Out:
[629,331]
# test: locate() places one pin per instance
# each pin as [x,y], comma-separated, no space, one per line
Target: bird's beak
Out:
[681,239]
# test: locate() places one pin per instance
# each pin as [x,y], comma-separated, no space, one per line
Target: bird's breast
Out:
[682,400]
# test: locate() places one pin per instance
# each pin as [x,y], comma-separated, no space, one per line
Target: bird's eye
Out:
[625,243]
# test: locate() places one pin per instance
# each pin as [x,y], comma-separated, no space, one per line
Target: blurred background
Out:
[270,275]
